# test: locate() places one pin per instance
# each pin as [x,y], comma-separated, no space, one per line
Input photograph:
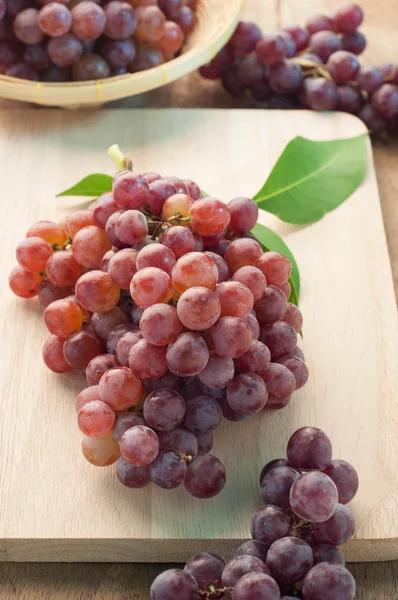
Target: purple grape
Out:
[280,383]
[179,440]
[118,53]
[247,394]
[218,372]
[203,414]
[319,23]
[206,569]
[273,464]
[98,366]
[271,307]
[232,82]
[90,67]
[168,381]
[349,99]
[297,367]
[354,42]
[270,523]
[22,71]
[251,320]
[289,559]
[245,38]
[271,49]
[131,476]
[117,333]
[299,353]
[241,565]
[214,69]
[222,267]
[205,477]
[251,71]
[276,486]
[309,448]
[125,421]
[324,43]
[285,77]
[256,360]
[299,35]
[230,414]
[164,409]
[168,470]
[348,18]
[345,477]
[338,529]
[65,51]
[279,337]
[174,584]
[205,443]
[372,119]
[328,582]
[36,57]
[320,94]
[121,20]
[329,554]
[256,586]
[291,48]
[124,345]
[370,78]
[253,548]
[343,66]
[314,497]
[385,100]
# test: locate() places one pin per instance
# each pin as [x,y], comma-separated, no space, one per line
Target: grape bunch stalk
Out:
[177,317]
[83,40]
[314,67]
[294,551]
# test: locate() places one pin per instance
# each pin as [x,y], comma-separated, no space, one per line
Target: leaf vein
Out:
[303,179]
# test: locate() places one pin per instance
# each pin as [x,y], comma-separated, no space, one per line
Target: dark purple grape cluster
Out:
[84,40]
[294,551]
[177,317]
[315,67]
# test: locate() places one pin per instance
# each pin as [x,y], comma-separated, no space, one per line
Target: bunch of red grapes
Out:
[178,318]
[313,67]
[81,40]
[294,551]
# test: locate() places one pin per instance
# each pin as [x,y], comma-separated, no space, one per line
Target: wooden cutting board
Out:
[54,506]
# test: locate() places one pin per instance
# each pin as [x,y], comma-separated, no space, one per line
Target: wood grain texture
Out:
[78,512]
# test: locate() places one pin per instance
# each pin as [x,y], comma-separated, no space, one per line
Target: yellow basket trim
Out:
[100,95]
[38,99]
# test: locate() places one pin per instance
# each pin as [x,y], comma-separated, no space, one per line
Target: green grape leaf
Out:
[92,185]
[272,241]
[313,178]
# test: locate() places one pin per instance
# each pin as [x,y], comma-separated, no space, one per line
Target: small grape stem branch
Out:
[122,162]
[213,592]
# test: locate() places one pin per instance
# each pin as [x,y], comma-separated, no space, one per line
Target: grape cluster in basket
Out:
[314,66]
[178,318]
[80,40]
[294,551]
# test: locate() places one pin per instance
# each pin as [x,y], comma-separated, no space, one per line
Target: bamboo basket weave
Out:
[216,21]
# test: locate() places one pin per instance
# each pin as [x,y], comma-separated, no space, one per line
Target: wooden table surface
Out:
[376,581]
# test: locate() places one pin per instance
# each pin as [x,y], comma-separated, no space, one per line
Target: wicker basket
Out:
[216,22]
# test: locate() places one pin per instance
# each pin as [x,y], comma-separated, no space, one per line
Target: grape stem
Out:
[122,162]
[225,592]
